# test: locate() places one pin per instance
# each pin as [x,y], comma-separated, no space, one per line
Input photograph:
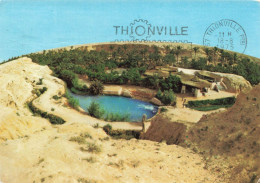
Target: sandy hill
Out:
[228,140]
[33,150]
[233,135]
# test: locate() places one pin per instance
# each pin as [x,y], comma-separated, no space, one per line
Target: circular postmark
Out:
[226,34]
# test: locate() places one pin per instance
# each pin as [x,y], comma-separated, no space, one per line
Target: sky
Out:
[28,26]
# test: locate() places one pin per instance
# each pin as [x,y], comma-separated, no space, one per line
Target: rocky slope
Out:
[233,135]
[228,140]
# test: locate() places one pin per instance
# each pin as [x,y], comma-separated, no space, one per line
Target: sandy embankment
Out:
[41,152]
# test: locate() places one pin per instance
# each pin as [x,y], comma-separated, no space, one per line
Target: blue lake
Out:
[118,104]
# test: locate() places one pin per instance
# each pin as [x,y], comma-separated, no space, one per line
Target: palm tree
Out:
[111,47]
[196,49]
[215,51]
[167,49]
[177,52]
[235,57]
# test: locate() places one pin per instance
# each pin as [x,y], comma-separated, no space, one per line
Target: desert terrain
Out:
[180,145]
[33,150]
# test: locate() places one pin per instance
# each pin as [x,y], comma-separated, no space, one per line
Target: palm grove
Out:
[71,64]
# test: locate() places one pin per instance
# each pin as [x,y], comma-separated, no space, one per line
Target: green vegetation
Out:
[167,97]
[78,139]
[42,90]
[211,107]
[171,83]
[56,97]
[163,109]
[95,110]
[207,105]
[39,82]
[91,160]
[72,101]
[53,119]
[117,117]
[96,88]
[107,128]
[136,59]
[91,147]
[81,139]
[83,180]
[121,134]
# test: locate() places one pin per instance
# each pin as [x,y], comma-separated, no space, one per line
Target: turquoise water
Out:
[117,104]
[33,25]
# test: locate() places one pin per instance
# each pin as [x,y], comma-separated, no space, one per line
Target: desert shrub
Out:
[96,88]
[123,134]
[86,135]
[95,110]
[107,128]
[163,109]
[78,139]
[91,147]
[39,82]
[37,92]
[96,125]
[56,97]
[42,90]
[90,159]
[53,119]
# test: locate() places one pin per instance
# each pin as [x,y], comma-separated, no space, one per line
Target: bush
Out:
[91,147]
[220,101]
[164,109]
[95,110]
[96,88]
[42,90]
[151,81]
[72,101]
[167,97]
[172,82]
[123,134]
[39,82]
[53,119]
[56,97]
[159,94]
[117,117]
[107,128]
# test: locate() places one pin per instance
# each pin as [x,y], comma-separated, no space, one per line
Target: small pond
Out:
[119,105]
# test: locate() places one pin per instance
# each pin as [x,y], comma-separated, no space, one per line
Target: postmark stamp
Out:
[141,30]
[226,34]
